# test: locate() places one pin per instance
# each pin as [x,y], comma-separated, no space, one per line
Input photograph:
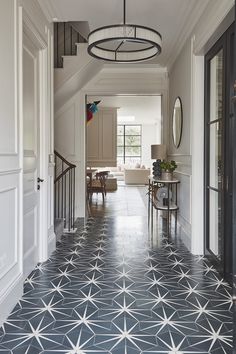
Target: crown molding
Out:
[215,14]
[137,68]
[49,10]
[193,15]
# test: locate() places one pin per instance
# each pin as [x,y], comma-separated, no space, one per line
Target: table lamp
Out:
[158,152]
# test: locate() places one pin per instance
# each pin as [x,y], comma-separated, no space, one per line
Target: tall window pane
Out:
[129,144]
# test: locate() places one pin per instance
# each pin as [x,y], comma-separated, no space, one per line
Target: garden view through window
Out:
[129,143]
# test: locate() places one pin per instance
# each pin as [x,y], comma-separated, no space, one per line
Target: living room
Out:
[120,133]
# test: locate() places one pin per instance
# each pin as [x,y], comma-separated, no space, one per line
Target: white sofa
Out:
[136,175]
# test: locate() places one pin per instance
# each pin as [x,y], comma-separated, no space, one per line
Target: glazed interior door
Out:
[219,141]
[31,155]
[215,133]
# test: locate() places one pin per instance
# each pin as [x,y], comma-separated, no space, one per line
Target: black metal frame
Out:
[64,191]
[181,106]
[124,135]
[96,44]
[224,266]
[219,45]
[233,130]
[134,39]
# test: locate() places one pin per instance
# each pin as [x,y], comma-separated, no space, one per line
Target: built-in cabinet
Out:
[102,138]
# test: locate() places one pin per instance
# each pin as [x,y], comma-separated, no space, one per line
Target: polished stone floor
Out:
[125,201]
[113,288]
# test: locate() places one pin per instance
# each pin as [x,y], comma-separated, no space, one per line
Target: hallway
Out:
[127,200]
[113,288]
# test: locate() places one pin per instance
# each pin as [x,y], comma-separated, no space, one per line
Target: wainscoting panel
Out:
[9,240]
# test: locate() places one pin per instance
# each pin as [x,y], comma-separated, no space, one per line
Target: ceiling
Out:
[145,109]
[174,19]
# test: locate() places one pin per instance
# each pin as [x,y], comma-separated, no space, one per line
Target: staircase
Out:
[64,196]
[73,66]
[66,37]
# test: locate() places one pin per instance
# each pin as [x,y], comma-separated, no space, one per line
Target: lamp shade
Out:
[158,152]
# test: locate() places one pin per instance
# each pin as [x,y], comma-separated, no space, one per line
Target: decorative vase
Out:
[166,175]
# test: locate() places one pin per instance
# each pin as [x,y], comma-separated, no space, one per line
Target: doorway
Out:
[218,153]
[119,139]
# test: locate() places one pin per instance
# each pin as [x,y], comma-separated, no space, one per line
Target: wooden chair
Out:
[98,185]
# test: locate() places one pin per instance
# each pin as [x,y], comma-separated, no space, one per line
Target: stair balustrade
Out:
[64,192]
[65,40]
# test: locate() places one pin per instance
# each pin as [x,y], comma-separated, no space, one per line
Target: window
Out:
[129,143]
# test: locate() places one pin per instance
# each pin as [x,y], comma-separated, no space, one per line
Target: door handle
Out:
[40,180]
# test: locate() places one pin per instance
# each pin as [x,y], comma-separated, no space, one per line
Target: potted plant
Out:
[167,168]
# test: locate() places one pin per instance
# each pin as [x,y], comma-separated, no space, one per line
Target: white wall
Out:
[180,85]
[151,134]
[186,80]
[109,81]
[70,126]
[14,16]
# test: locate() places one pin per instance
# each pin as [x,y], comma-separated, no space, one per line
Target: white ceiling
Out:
[174,19]
[146,109]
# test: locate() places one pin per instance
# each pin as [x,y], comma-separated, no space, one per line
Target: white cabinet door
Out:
[31,156]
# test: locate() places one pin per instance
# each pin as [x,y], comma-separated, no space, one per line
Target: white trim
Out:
[51,243]
[31,31]
[50,11]
[197,150]
[43,239]
[10,171]
[33,34]
[10,297]
[183,173]
[192,19]
[210,21]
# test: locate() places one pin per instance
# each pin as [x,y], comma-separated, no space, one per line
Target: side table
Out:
[154,203]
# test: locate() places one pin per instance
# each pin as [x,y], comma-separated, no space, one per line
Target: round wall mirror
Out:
[177,122]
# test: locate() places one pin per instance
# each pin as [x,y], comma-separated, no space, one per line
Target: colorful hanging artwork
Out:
[91,109]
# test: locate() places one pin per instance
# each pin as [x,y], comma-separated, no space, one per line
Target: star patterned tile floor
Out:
[110,289]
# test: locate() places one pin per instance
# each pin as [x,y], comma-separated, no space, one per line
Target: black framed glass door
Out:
[218,153]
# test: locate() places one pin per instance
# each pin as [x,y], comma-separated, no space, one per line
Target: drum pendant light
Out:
[124,43]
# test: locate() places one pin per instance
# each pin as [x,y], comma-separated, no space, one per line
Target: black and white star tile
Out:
[109,289]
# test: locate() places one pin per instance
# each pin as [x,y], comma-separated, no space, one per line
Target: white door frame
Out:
[31,32]
[82,126]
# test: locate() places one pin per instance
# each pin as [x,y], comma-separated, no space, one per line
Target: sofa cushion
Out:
[137,176]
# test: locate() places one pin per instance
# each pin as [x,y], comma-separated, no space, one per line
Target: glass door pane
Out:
[215,155]
[215,164]
[216,86]
[215,233]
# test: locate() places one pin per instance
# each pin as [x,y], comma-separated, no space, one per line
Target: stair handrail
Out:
[63,159]
[64,196]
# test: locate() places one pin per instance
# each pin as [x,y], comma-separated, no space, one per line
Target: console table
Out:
[170,205]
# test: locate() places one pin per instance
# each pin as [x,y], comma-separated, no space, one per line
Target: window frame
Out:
[124,146]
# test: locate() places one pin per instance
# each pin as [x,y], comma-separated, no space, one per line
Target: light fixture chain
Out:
[124,12]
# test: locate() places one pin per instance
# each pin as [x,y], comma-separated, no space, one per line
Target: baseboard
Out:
[184,232]
[10,298]
[27,262]
[51,243]
[185,237]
